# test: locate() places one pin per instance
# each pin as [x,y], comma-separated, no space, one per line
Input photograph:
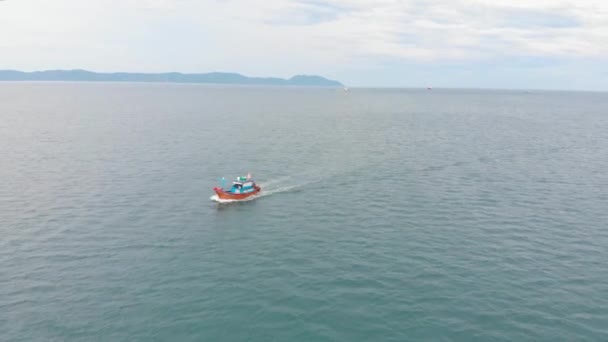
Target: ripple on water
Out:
[386,215]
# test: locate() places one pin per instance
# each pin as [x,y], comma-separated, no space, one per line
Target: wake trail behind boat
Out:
[274,182]
[278,189]
[285,184]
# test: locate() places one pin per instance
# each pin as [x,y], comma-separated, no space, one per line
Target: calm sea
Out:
[386,214]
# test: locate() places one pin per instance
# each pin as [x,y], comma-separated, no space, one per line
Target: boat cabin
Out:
[242,187]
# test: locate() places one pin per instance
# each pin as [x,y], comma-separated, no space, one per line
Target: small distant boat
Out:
[243,188]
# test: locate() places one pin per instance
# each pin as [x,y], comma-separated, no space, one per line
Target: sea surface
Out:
[386,214]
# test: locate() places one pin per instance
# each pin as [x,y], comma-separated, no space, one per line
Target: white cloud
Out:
[282,37]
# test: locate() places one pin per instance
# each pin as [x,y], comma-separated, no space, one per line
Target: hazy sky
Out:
[450,43]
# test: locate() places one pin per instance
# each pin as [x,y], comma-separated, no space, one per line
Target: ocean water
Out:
[386,214]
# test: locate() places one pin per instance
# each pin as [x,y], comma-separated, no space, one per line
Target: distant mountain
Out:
[176,77]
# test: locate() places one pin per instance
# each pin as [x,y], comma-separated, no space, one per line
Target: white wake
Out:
[220,200]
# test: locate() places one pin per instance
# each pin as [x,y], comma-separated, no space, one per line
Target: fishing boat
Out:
[243,188]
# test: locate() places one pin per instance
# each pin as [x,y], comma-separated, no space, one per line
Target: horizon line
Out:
[424,88]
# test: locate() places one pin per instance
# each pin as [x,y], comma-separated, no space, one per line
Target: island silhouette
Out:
[79,75]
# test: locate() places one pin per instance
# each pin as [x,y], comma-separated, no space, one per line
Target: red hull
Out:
[236,197]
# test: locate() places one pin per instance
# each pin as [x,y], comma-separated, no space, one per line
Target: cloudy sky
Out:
[529,44]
